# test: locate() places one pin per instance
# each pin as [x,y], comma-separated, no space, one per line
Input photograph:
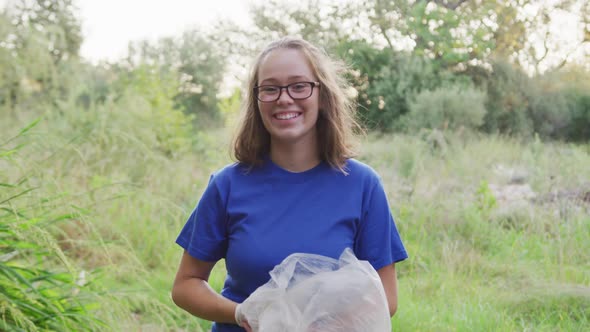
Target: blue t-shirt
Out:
[255,219]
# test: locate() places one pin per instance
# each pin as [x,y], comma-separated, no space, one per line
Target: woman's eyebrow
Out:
[297,76]
[272,80]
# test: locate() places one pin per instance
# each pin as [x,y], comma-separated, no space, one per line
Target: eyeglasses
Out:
[297,91]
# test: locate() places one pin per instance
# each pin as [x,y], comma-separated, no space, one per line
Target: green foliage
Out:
[115,166]
[551,105]
[446,39]
[486,200]
[8,71]
[507,101]
[320,22]
[436,29]
[39,44]
[117,199]
[26,65]
[385,82]
[400,83]
[573,85]
[146,96]
[39,286]
[548,110]
[96,85]
[57,21]
[452,34]
[451,107]
[443,204]
[229,108]
[580,125]
[367,64]
[198,66]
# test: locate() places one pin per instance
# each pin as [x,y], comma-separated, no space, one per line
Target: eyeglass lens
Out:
[298,90]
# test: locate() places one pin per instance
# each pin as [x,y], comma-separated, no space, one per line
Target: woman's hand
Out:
[241,319]
[246,326]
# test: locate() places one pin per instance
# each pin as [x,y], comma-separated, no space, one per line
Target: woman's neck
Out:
[295,157]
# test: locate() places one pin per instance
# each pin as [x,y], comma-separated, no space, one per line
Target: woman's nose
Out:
[284,96]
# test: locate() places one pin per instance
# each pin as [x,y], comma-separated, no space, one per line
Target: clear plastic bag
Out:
[312,293]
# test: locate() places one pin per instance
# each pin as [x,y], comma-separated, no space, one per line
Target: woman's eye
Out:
[298,86]
[269,89]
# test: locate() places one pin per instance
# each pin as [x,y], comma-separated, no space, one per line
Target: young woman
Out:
[295,188]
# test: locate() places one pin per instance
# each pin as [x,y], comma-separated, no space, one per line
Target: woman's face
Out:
[288,120]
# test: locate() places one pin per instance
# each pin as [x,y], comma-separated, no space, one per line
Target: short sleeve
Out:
[378,240]
[204,236]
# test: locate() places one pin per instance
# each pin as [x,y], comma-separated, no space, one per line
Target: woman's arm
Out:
[192,292]
[389,281]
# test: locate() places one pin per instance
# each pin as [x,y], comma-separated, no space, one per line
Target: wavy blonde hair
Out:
[336,125]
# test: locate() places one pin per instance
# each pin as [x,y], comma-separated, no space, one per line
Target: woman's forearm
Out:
[389,280]
[198,298]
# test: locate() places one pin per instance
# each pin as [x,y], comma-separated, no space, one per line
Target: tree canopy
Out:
[398,51]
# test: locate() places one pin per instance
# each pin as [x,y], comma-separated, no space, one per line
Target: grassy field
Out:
[487,255]
[497,229]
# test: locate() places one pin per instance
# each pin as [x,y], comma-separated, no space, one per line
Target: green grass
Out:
[476,263]
[40,288]
[471,267]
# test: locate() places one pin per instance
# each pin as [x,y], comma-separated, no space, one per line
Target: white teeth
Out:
[286,116]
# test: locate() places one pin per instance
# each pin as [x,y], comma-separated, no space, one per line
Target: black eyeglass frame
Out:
[286,87]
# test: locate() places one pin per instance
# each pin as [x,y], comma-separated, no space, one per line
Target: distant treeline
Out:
[485,65]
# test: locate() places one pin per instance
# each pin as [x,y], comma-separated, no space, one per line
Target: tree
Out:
[449,32]
[40,44]
[548,46]
[9,69]
[320,22]
[56,20]
[198,64]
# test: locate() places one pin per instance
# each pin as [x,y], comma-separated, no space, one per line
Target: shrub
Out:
[548,110]
[574,86]
[396,85]
[507,102]
[580,128]
[451,107]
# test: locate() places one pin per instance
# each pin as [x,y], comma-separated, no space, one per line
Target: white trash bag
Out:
[313,293]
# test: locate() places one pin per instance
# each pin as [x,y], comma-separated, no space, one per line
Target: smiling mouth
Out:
[286,116]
